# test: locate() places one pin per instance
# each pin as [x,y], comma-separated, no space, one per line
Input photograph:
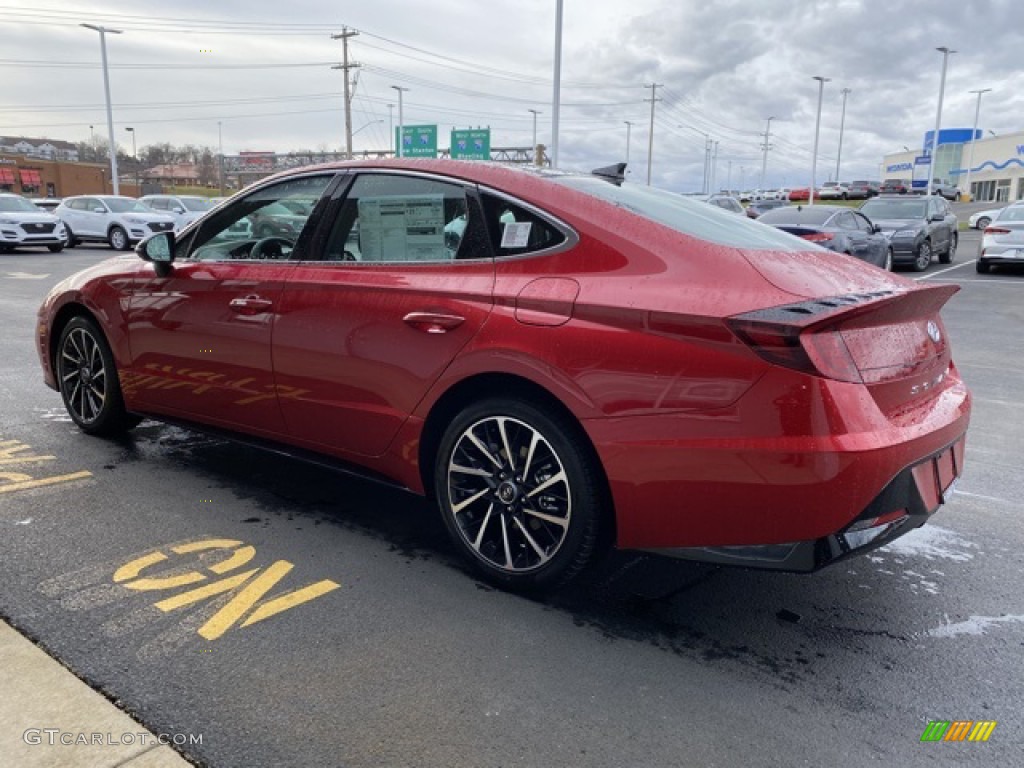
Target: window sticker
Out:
[402,228]
[515,234]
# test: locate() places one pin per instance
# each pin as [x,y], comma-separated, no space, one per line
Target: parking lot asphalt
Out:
[370,645]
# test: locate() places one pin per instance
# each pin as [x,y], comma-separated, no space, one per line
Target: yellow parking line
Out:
[26,484]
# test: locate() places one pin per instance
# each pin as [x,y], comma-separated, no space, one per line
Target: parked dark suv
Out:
[862,190]
[917,228]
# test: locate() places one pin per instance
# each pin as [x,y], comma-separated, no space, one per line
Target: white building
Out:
[51,149]
[996,164]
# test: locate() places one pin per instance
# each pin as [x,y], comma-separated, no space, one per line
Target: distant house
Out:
[174,174]
[50,149]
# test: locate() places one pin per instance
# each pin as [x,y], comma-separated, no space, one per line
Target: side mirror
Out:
[158,249]
[938,217]
[178,209]
[875,229]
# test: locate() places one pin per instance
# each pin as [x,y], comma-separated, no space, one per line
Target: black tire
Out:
[5,249]
[983,222]
[512,539]
[88,381]
[71,242]
[55,248]
[923,259]
[117,238]
[950,254]
[982,267]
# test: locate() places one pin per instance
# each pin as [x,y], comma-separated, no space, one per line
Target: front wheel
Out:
[118,239]
[947,257]
[520,493]
[56,248]
[71,242]
[88,380]
[924,256]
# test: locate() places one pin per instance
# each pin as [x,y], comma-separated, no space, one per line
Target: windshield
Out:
[11,204]
[125,205]
[894,209]
[196,203]
[685,215]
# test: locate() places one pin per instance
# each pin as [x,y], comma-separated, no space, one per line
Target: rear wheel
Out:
[983,222]
[118,239]
[982,267]
[924,256]
[88,380]
[947,257]
[519,492]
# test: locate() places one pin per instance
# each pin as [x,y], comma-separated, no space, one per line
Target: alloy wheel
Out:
[509,494]
[83,375]
[924,256]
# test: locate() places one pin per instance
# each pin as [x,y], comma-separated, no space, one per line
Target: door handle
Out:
[250,305]
[433,322]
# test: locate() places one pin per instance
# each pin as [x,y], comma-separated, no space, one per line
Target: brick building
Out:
[35,177]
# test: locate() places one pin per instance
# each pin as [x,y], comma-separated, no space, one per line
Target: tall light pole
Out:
[974,133]
[714,169]
[650,135]
[842,124]
[938,119]
[220,156]
[401,118]
[535,113]
[135,157]
[817,132]
[556,95]
[391,122]
[106,89]
[629,127]
[764,149]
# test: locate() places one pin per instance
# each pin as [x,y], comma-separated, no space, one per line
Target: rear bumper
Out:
[918,491]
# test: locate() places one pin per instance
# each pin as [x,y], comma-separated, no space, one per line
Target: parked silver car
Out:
[1003,241]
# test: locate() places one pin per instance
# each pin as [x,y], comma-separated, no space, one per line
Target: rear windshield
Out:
[697,219]
[812,214]
[1013,213]
[196,203]
[894,209]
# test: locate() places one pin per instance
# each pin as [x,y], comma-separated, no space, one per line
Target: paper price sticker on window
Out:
[516,234]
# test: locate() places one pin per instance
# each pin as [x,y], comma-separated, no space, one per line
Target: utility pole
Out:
[705,181]
[714,170]
[556,95]
[220,149]
[629,126]
[110,116]
[535,113]
[764,148]
[938,119]
[345,66]
[817,130]
[650,136]
[974,133]
[391,122]
[842,124]
[401,118]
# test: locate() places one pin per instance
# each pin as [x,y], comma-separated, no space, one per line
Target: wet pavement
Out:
[370,645]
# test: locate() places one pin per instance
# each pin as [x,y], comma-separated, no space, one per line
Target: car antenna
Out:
[615,174]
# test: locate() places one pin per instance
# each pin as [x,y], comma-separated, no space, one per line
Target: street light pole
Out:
[220,150]
[110,114]
[974,133]
[764,148]
[391,122]
[535,113]
[938,119]
[135,157]
[401,118]
[842,124]
[817,132]
[556,96]
[629,127]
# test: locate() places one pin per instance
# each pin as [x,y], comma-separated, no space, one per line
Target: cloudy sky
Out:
[263,70]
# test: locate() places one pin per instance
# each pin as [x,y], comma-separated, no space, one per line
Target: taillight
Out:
[820,353]
[818,237]
[997,231]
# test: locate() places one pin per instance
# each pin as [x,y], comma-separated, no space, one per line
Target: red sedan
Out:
[799,193]
[560,362]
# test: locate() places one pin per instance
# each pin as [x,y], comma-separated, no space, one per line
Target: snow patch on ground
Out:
[975,625]
[932,542]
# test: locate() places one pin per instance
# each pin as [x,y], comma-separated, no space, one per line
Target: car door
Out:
[200,332]
[404,280]
[856,240]
[92,218]
[937,225]
[875,244]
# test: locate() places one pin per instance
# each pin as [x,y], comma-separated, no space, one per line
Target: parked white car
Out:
[118,221]
[982,219]
[23,224]
[782,193]
[184,208]
[833,190]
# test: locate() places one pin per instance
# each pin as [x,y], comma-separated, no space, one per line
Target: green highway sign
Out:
[471,144]
[418,140]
